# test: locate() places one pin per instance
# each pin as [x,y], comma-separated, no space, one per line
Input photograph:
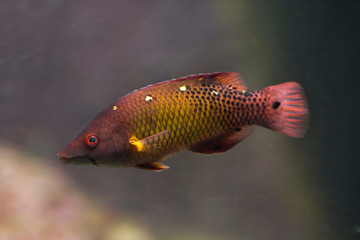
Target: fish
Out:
[204,113]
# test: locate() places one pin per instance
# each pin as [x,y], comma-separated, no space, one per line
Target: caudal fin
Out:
[288,110]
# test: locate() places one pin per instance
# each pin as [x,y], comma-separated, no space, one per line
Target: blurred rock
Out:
[37,202]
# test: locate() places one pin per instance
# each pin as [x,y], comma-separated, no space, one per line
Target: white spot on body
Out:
[114,107]
[148,98]
[243,91]
[183,88]
[215,92]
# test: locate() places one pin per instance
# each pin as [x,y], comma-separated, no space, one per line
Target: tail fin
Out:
[288,111]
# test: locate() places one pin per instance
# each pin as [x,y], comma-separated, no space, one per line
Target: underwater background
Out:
[62,61]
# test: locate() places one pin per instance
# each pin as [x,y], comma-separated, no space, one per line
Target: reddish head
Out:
[101,143]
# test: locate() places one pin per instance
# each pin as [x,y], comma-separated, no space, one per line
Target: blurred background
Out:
[62,61]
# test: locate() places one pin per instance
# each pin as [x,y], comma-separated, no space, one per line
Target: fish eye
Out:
[92,140]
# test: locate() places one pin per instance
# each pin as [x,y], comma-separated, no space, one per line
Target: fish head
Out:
[100,146]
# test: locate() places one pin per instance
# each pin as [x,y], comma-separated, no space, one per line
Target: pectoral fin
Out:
[147,145]
[152,166]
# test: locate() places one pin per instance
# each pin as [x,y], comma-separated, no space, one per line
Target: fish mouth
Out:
[80,160]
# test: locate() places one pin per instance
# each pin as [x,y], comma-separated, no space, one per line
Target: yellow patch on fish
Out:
[135,142]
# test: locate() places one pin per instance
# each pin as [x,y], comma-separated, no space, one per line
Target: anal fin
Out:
[148,144]
[224,142]
[152,166]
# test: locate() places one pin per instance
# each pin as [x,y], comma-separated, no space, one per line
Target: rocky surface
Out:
[37,202]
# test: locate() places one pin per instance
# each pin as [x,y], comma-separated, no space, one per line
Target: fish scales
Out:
[202,110]
[205,113]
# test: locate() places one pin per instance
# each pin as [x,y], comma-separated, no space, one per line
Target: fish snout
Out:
[63,157]
[79,160]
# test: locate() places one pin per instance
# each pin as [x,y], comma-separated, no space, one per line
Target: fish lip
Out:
[63,157]
[64,160]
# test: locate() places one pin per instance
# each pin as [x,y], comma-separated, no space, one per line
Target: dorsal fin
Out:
[232,80]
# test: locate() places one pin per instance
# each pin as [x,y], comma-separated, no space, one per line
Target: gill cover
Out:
[120,139]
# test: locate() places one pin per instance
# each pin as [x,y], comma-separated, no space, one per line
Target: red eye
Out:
[92,140]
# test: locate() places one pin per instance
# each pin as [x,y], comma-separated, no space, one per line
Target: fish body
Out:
[205,113]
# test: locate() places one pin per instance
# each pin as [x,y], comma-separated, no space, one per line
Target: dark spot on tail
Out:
[238,129]
[276,105]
